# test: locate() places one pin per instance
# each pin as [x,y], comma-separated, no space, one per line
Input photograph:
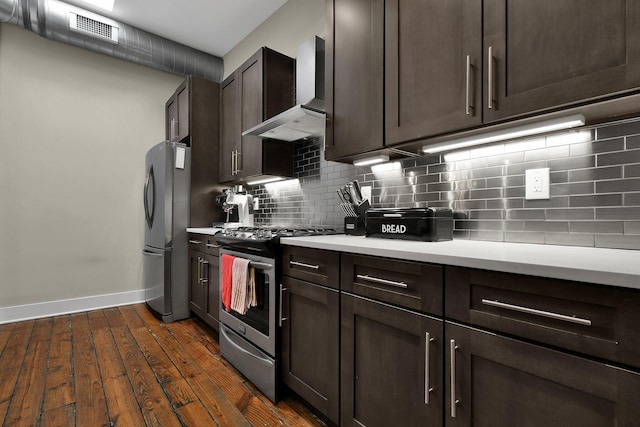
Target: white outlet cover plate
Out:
[536,184]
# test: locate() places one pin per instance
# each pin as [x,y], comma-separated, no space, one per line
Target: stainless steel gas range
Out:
[250,300]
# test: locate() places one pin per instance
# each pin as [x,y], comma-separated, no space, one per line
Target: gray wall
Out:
[75,126]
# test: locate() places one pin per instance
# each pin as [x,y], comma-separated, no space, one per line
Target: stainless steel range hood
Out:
[307,118]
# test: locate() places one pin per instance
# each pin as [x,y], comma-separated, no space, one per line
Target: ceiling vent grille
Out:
[93,27]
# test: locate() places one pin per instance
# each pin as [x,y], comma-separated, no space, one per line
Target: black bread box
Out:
[423,224]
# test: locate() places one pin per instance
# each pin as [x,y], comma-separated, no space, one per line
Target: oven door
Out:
[258,324]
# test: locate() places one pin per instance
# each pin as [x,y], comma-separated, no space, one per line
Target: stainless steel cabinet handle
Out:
[173,129]
[490,77]
[454,401]
[542,313]
[203,280]
[199,270]
[427,341]
[210,245]
[195,242]
[302,264]
[233,162]
[382,281]
[468,105]
[238,161]
[282,319]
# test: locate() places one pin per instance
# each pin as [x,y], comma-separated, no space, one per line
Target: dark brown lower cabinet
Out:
[204,299]
[310,344]
[391,362]
[499,381]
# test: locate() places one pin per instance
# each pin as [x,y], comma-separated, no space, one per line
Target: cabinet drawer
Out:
[313,265]
[596,320]
[196,242]
[211,246]
[413,285]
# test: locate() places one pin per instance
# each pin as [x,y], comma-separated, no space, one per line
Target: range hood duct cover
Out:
[307,118]
[51,19]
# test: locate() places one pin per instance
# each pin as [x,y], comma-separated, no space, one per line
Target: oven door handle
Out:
[261,265]
[232,341]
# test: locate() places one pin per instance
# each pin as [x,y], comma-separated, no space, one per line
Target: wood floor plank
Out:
[6,331]
[11,361]
[91,406]
[155,407]
[217,402]
[63,416]
[121,400]
[25,404]
[59,382]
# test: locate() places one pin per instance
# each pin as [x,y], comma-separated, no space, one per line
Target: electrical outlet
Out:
[537,184]
[366,192]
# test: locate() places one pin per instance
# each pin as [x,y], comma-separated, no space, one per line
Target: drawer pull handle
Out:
[302,264]
[194,242]
[542,313]
[281,317]
[209,245]
[382,281]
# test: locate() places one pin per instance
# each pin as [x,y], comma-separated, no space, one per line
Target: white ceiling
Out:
[212,26]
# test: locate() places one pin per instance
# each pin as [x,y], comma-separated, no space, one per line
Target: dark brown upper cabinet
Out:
[260,88]
[432,68]
[451,66]
[550,54]
[177,114]
[354,78]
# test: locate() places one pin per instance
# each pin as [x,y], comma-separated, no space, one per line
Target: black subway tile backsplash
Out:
[595,188]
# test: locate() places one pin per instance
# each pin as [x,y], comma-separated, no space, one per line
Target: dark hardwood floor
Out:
[123,367]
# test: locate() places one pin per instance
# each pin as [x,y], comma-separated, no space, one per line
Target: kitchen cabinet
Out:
[391,365]
[260,88]
[177,114]
[391,352]
[354,77]
[447,67]
[311,327]
[204,278]
[534,53]
[492,380]
[192,117]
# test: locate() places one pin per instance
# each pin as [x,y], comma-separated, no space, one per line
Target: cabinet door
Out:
[211,273]
[550,53]
[196,288]
[251,93]
[229,126]
[354,77]
[500,381]
[433,62]
[310,344]
[391,366]
[182,96]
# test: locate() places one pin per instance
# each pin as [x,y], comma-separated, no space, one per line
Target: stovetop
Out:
[268,232]
[265,240]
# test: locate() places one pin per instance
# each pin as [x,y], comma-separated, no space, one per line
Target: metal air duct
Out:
[56,20]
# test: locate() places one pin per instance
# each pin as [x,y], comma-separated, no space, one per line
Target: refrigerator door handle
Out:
[145,252]
[148,213]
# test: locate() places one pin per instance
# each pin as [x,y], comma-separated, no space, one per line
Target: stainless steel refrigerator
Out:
[166,210]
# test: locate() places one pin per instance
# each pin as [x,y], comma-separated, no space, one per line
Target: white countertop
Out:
[208,230]
[615,267]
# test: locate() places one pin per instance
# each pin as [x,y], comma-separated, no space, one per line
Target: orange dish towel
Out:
[227,280]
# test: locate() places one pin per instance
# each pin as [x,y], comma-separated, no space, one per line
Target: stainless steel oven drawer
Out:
[256,365]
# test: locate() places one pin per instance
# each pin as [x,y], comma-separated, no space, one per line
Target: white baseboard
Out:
[18,313]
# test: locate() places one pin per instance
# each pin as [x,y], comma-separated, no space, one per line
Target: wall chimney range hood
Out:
[307,118]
